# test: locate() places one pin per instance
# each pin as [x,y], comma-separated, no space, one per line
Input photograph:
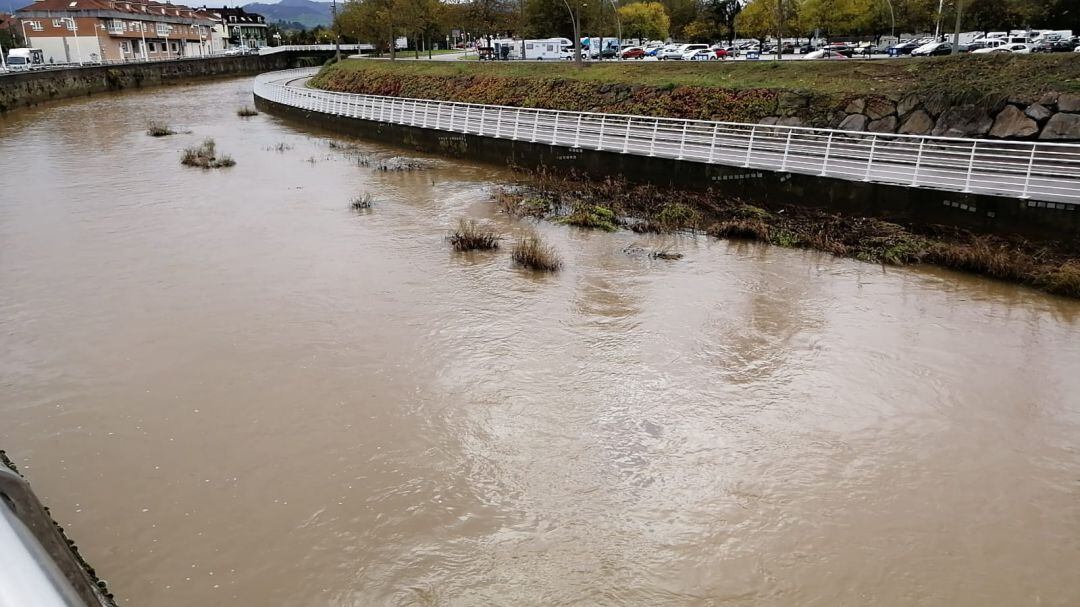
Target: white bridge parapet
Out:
[1040,172]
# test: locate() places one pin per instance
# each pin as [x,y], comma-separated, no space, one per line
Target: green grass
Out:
[966,75]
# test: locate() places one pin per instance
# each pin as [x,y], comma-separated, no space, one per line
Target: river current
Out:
[232,389]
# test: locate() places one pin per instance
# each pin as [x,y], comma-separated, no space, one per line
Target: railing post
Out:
[870,160]
[427,108]
[825,160]
[483,113]
[971,166]
[498,123]
[577,132]
[652,144]
[536,124]
[750,146]
[918,162]
[682,140]
[555,131]
[712,146]
[382,110]
[468,108]
[1027,176]
[453,111]
[517,122]
[626,140]
[787,149]
[600,139]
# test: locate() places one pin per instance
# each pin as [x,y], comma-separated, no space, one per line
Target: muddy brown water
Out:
[234,390]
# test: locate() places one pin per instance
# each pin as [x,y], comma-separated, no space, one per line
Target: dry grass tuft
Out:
[531,252]
[205,156]
[471,235]
[158,129]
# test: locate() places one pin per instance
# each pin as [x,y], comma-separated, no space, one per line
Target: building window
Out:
[151,46]
[56,23]
[36,26]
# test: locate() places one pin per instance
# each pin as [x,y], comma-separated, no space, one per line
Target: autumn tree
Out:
[645,21]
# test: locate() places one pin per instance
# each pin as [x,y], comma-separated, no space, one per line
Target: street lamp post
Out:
[618,25]
[75,30]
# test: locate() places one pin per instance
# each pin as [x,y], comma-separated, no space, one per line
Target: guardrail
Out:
[269,50]
[1036,171]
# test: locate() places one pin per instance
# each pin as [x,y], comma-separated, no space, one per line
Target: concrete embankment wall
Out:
[896,203]
[25,89]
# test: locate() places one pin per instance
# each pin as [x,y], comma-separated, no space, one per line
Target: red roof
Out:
[135,7]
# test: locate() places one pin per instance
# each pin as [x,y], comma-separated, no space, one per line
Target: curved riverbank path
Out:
[1034,171]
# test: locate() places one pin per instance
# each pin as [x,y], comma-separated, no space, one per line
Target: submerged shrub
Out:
[471,235]
[205,156]
[247,111]
[158,129]
[361,202]
[592,217]
[531,252]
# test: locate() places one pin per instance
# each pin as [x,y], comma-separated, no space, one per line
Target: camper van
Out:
[549,48]
[20,59]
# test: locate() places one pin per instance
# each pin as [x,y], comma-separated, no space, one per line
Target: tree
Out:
[715,20]
[645,20]
[374,21]
[760,19]
[422,19]
[682,13]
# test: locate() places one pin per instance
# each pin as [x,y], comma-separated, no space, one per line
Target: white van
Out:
[21,59]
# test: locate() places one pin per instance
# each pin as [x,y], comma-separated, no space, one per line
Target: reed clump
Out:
[205,156]
[361,202]
[533,253]
[247,111]
[471,235]
[158,129]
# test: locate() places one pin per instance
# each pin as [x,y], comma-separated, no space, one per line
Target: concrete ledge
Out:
[896,203]
[25,89]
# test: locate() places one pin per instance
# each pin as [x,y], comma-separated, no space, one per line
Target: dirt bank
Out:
[1052,266]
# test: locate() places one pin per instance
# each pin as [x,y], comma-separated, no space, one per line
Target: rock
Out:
[1062,126]
[791,103]
[854,122]
[1011,123]
[884,125]
[768,120]
[917,123]
[1038,112]
[790,121]
[963,121]
[856,107]
[907,104]
[1068,102]
[936,105]
[878,108]
[1048,99]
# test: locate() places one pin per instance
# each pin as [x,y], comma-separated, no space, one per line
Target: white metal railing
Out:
[1027,170]
[269,50]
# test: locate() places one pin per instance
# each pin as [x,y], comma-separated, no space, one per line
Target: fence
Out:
[1038,171]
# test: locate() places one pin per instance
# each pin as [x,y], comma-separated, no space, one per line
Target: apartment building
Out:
[239,27]
[91,31]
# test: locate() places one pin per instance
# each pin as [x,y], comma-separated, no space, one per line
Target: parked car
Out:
[684,50]
[702,54]
[934,49]
[633,52]
[904,48]
[824,54]
[865,49]
[843,48]
[668,50]
[1053,46]
[1011,47]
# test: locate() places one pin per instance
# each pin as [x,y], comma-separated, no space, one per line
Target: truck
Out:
[21,59]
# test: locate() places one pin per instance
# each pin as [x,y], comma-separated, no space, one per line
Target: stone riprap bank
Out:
[1054,117]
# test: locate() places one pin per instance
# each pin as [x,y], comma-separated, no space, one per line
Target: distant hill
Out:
[305,12]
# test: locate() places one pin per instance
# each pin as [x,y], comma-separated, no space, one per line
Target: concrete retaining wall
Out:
[24,89]
[896,203]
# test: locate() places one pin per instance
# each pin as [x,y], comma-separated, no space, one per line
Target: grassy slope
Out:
[966,77]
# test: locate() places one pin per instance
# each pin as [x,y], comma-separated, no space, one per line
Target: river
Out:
[232,389]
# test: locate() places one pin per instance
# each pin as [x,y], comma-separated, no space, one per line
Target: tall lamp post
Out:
[337,36]
[75,30]
[618,25]
[576,25]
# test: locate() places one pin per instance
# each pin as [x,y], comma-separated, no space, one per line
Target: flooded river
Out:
[234,390]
